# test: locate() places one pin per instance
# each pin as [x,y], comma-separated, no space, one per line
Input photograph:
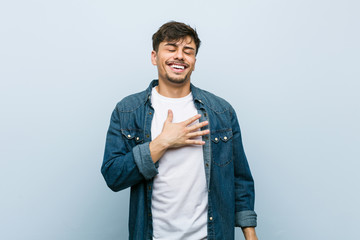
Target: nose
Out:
[179,54]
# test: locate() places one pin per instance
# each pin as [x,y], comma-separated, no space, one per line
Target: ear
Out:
[153,58]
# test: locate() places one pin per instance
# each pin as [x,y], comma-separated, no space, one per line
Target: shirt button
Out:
[216,139]
[210,218]
[137,138]
[150,113]
[149,187]
[207,165]
[147,135]
[225,138]
[129,136]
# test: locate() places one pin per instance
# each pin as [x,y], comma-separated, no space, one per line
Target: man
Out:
[179,148]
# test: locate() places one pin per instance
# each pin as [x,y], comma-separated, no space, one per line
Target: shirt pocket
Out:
[132,137]
[221,145]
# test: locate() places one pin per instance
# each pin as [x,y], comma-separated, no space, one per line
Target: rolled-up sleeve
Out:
[247,218]
[144,161]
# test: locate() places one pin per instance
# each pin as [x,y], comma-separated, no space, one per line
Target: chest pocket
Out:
[222,147]
[132,137]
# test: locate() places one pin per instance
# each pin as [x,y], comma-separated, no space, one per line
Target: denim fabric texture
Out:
[127,163]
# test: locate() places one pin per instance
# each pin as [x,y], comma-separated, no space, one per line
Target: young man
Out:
[179,148]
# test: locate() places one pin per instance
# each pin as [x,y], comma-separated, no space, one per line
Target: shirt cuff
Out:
[246,218]
[143,160]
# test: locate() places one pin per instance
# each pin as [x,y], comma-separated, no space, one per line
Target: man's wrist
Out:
[160,143]
[157,148]
[249,233]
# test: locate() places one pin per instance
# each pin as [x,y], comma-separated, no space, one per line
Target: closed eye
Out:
[189,50]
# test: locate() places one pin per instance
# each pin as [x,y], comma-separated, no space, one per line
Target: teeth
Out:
[178,66]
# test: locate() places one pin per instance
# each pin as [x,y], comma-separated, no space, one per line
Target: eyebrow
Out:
[186,47]
[171,44]
[174,45]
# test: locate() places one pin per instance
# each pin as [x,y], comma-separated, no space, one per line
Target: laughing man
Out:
[179,148]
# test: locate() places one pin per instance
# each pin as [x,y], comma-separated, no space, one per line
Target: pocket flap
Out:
[224,135]
[135,134]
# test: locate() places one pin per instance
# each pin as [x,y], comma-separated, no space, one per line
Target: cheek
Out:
[193,65]
[192,61]
[162,60]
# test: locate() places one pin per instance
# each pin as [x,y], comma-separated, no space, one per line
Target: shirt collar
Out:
[196,92]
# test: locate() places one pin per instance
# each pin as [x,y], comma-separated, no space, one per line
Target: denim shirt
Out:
[127,163]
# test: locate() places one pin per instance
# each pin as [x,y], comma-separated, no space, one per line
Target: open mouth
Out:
[177,67]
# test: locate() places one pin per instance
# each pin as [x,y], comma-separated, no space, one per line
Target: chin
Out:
[177,80]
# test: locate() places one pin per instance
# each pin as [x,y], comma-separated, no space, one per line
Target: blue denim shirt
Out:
[127,163]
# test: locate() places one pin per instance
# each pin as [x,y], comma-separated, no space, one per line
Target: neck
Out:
[173,90]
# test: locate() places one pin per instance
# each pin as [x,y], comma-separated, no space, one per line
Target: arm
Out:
[122,167]
[245,216]
[249,233]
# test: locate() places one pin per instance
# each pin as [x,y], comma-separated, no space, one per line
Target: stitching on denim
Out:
[122,111]
[212,108]
[223,164]
[131,129]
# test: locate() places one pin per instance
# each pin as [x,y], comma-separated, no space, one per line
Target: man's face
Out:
[175,60]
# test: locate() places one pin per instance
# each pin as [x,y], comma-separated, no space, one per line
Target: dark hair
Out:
[173,31]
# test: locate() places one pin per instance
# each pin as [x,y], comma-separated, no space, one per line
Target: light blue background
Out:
[291,69]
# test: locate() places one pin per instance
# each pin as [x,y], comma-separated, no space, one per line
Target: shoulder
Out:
[214,102]
[132,102]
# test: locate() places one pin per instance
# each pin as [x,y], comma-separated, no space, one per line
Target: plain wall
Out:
[291,70]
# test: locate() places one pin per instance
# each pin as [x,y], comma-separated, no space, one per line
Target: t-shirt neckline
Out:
[156,94]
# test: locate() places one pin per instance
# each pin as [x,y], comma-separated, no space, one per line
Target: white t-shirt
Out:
[180,196]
